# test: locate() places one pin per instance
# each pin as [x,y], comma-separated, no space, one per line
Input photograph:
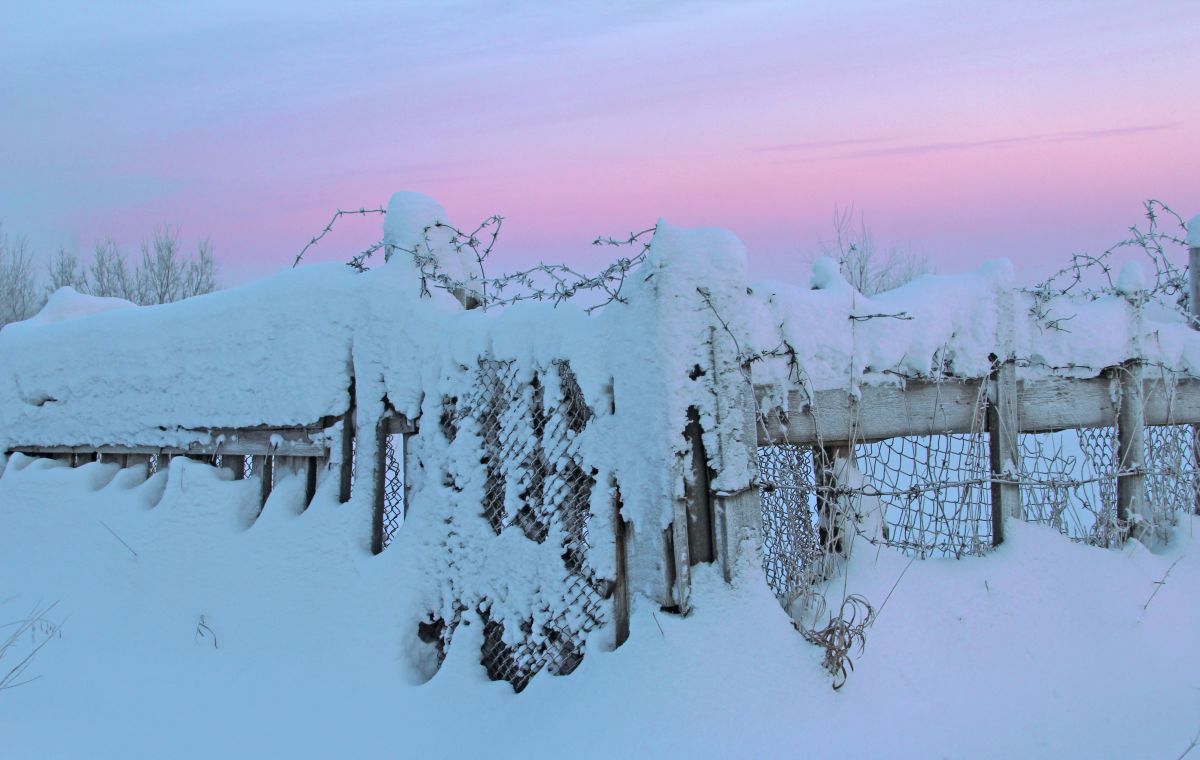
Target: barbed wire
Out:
[1170,286]
[542,282]
[329,227]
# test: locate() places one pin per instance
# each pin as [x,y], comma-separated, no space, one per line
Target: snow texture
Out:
[190,631]
[68,303]
[196,624]
[283,352]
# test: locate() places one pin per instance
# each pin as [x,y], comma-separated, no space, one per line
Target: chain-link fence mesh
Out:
[1069,482]
[393,486]
[1171,458]
[535,482]
[791,547]
[935,492]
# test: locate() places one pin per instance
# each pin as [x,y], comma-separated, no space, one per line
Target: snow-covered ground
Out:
[190,630]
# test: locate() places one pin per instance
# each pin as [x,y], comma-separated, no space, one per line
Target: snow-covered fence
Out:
[1092,431]
[539,468]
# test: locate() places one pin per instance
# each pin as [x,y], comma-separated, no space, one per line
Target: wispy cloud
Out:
[1082,135]
[816,145]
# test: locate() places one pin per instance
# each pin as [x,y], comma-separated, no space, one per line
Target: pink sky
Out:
[1022,130]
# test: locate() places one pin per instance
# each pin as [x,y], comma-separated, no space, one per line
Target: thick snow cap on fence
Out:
[831,336]
[275,352]
[840,338]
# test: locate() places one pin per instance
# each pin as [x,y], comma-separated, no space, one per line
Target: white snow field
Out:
[164,616]
[1043,648]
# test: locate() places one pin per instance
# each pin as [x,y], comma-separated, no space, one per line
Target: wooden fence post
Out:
[1194,270]
[346,467]
[1194,308]
[1004,448]
[235,464]
[379,485]
[1131,451]
[621,582]
[264,468]
[831,523]
[697,492]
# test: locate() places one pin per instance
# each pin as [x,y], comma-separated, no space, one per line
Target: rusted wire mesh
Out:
[934,491]
[1171,479]
[791,549]
[1069,482]
[535,482]
[1069,479]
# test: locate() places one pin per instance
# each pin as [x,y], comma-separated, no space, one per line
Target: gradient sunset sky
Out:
[963,131]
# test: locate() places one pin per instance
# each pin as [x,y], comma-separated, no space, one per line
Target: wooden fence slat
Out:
[346,467]
[300,441]
[698,495]
[929,408]
[1131,446]
[1194,308]
[1004,449]
[835,416]
[621,582]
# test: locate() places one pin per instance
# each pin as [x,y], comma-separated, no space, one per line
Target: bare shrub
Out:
[868,268]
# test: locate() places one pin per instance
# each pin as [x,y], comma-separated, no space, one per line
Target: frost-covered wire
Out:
[1090,276]
[329,227]
[543,282]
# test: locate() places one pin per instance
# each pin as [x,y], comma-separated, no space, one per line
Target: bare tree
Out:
[866,267]
[165,275]
[65,271]
[19,296]
[110,275]
[160,276]
[200,275]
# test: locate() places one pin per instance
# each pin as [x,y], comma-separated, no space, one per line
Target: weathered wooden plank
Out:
[621,582]
[697,494]
[835,416]
[1194,308]
[199,453]
[1194,282]
[926,408]
[1167,405]
[1004,449]
[303,442]
[310,466]
[346,466]
[379,486]
[1061,403]
[1131,452]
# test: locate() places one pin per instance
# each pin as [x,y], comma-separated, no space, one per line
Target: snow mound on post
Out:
[416,222]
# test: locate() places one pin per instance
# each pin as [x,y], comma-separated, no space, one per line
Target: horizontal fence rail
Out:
[929,407]
[274,441]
